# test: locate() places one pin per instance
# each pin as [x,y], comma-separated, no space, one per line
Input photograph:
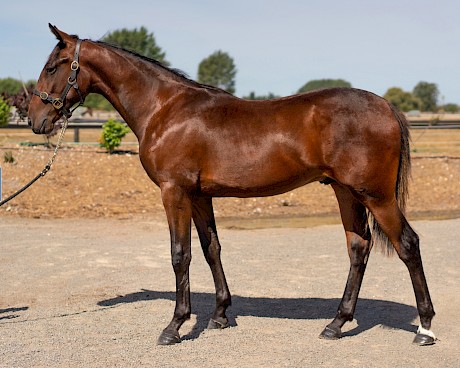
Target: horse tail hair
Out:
[379,238]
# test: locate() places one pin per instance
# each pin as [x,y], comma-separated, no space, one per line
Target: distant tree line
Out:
[10,86]
[424,97]
[219,70]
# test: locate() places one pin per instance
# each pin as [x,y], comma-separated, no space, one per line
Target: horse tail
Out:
[402,182]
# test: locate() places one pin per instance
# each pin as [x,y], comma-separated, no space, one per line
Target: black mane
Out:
[177,72]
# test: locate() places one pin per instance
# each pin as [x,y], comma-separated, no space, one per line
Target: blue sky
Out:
[277,45]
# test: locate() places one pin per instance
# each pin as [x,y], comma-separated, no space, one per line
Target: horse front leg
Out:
[354,219]
[178,207]
[203,217]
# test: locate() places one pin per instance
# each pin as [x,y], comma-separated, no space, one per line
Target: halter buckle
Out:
[74,66]
[43,96]
[57,104]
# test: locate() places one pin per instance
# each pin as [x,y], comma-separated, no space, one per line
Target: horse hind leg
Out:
[406,243]
[354,219]
[203,217]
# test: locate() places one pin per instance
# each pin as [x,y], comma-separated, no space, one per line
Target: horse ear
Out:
[61,36]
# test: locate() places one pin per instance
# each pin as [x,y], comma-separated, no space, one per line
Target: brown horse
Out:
[197,142]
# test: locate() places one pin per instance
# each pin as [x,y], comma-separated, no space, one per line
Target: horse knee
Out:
[180,260]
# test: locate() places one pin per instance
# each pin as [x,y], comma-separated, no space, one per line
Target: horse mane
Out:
[177,72]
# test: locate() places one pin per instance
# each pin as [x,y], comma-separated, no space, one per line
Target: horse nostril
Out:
[29,122]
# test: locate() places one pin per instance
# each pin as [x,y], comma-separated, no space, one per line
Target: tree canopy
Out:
[405,101]
[428,94]
[97,102]
[218,70]
[137,40]
[10,86]
[322,84]
[450,107]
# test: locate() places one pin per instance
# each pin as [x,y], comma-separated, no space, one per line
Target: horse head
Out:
[58,88]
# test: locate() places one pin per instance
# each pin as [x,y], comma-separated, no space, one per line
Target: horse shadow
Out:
[369,312]
[10,313]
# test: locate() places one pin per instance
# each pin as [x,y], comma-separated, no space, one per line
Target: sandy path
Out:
[97,293]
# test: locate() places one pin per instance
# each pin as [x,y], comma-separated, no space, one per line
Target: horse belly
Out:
[257,176]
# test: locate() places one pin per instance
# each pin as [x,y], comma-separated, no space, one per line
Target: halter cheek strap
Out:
[58,103]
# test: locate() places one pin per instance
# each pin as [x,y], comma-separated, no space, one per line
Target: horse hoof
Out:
[423,340]
[330,333]
[168,337]
[217,325]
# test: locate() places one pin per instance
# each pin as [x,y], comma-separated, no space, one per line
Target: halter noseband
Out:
[58,103]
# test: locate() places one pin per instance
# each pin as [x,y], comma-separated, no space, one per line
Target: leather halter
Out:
[59,102]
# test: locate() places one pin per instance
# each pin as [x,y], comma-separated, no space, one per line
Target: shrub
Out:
[112,133]
[4,112]
[8,157]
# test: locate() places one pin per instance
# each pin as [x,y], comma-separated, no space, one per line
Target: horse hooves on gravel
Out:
[217,325]
[423,340]
[168,337]
[330,333]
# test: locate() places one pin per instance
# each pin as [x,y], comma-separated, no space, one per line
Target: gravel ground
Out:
[97,293]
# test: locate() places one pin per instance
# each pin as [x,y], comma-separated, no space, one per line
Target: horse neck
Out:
[136,88]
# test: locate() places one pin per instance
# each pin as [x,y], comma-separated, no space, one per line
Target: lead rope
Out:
[47,167]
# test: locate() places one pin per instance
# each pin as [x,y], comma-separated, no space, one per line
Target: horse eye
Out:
[51,70]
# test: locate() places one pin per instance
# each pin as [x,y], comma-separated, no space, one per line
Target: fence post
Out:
[76,134]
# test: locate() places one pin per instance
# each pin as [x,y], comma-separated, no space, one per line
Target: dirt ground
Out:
[98,292]
[87,182]
[86,277]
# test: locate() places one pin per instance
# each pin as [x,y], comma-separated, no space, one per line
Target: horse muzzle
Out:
[42,127]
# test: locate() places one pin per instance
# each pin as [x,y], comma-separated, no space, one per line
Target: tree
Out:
[405,101]
[97,102]
[10,86]
[323,83]
[137,40]
[450,107]
[218,70]
[428,94]
[252,96]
